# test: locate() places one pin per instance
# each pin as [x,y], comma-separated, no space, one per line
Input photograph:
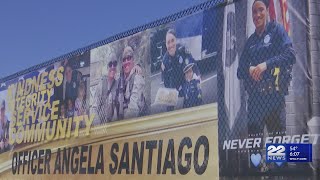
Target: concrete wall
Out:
[314,14]
[298,100]
[314,123]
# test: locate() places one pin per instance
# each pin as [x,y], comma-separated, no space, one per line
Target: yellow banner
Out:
[177,145]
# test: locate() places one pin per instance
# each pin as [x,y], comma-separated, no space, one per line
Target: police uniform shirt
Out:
[173,72]
[191,92]
[134,95]
[106,97]
[71,90]
[273,47]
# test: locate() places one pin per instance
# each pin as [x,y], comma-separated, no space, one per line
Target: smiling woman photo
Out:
[265,67]
[174,60]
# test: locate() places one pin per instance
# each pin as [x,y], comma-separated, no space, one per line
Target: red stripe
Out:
[272,11]
[284,10]
[287,18]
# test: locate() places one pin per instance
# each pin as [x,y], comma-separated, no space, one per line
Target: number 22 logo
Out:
[276,151]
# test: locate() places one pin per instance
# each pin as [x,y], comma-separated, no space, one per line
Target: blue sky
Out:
[35,31]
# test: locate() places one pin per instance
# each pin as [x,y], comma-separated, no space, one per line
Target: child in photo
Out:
[191,90]
[62,114]
[70,108]
[80,103]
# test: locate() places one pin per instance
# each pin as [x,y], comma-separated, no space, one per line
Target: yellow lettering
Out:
[46,116]
[55,109]
[77,120]
[43,81]
[51,79]
[69,127]
[19,135]
[12,136]
[59,78]
[29,133]
[20,88]
[61,128]
[88,122]
[49,136]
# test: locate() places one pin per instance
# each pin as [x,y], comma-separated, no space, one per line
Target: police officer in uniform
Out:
[107,95]
[173,63]
[265,67]
[71,85]
[132,96]
[191,90]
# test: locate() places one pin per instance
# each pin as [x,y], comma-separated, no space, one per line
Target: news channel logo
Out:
[280,153]
[276,153]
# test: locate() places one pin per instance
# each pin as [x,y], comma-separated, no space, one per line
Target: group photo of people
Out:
[159,70]
[120,85]
[73,94]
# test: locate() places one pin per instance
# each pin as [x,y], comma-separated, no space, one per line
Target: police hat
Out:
[187,67]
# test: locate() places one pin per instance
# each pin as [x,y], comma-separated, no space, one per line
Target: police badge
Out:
[267,39]
[180,60]
[187,61]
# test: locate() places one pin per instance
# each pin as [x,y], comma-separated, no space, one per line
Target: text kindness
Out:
[34,115]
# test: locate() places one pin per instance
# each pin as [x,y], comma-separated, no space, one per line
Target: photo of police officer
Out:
[4,128]
[183,72]
[265,68]
[264,87]
[173,63]
[71,85]
[73,93]
[119,83]
[107,94]
[132,86]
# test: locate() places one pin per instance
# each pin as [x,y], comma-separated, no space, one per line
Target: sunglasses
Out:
[112,64]
[128,58]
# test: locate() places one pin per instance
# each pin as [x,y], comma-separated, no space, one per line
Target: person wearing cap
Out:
[191,90]
[133,83]
[107,93]
[173,63]
[265,67]
[4,128]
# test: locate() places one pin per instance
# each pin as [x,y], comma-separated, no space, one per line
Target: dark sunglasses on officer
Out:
[127,58]
[112,64]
